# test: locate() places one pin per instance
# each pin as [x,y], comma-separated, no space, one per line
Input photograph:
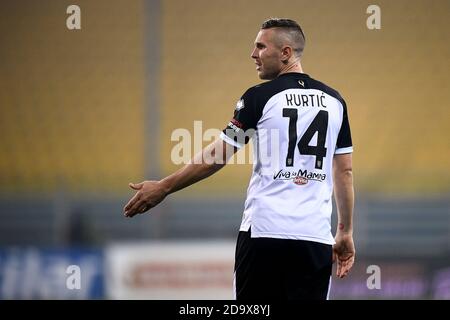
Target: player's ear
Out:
[286,53]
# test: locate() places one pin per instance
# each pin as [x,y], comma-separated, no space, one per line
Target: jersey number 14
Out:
[319,125]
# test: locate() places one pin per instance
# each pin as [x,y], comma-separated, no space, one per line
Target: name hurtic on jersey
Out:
[305,100]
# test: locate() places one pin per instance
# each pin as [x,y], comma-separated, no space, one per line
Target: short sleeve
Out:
[344,140]
[243,123]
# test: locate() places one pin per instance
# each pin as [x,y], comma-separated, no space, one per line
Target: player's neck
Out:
[295,66]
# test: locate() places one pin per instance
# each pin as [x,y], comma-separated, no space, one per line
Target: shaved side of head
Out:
[288,32]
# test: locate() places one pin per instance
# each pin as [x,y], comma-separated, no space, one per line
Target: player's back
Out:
[300,124]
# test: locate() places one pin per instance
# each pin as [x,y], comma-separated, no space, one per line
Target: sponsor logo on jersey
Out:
[300,180]
[240,105]
[299,177]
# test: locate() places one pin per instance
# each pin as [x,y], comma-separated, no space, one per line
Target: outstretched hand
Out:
[344,253]
[148,195]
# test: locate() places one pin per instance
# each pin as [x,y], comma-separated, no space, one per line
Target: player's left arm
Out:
[344,248]
[207,162]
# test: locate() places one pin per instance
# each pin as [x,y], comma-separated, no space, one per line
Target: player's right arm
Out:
[210,160]
[150,193]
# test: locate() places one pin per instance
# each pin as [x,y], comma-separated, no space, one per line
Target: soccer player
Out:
[285,248]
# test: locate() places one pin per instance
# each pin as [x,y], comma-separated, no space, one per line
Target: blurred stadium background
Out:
[84,112]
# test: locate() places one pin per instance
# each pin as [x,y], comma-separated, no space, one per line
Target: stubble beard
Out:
[267,75]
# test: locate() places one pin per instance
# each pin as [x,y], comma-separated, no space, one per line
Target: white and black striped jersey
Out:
[297,125]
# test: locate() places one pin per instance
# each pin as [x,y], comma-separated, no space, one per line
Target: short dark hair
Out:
[292,27]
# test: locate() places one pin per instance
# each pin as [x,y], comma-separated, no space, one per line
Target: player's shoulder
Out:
[259,88]
[262,92]
[265,90]
[319,85]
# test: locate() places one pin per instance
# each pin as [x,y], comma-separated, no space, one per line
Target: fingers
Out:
[339,269]
[136,186]
[138,207]
[342,270]
[344,266]
[132,202]
[131,205]
[140,202]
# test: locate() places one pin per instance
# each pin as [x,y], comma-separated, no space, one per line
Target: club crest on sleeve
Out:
[240,105]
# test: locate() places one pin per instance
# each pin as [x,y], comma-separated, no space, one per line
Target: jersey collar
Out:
[298,74]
